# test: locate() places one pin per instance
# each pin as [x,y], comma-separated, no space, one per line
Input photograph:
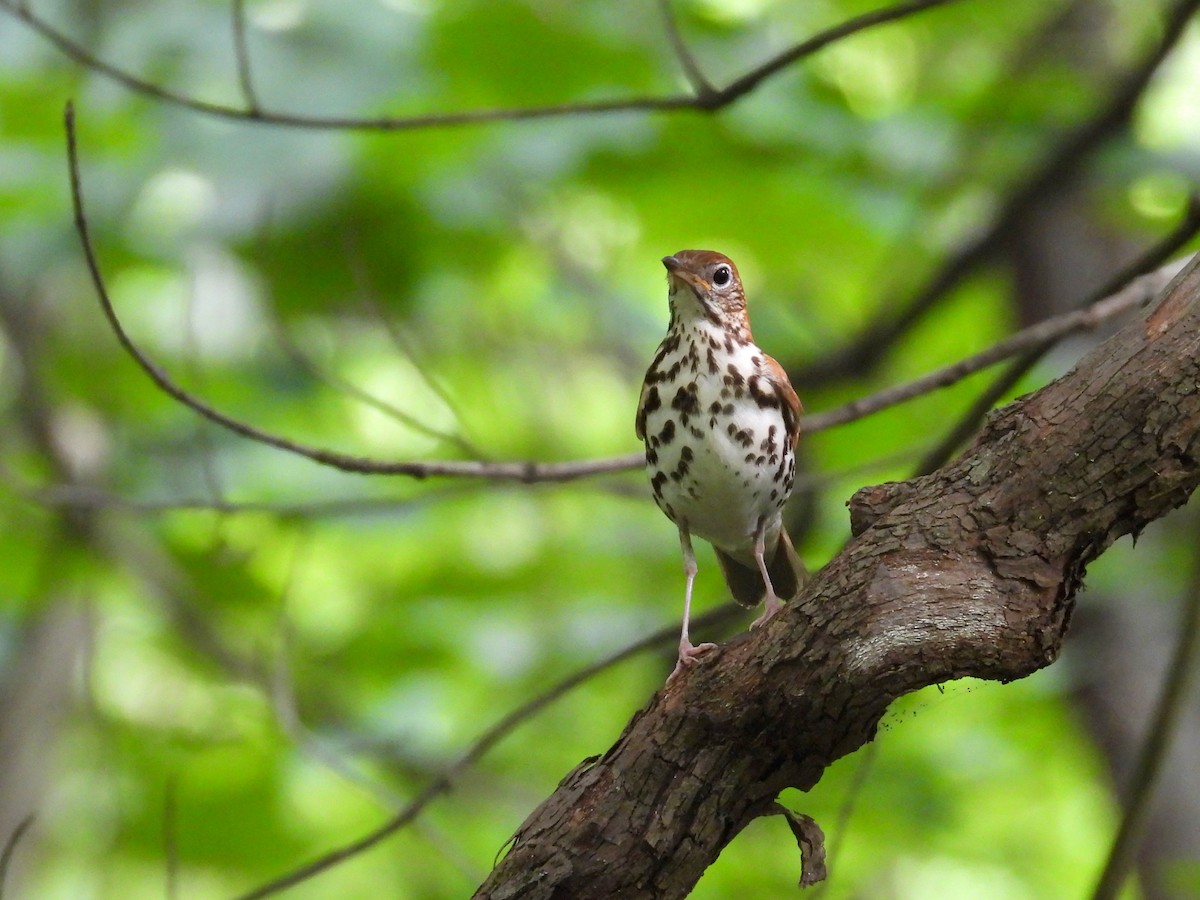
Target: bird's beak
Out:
[678,271]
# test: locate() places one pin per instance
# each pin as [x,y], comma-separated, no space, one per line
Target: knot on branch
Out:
[870,504]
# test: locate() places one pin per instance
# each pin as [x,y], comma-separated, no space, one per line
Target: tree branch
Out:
[971,571]
[10,847]
[1062,163]
[530,472]
[708,101]
[241,53]
[1160,731]
[477,750]
[1154,258]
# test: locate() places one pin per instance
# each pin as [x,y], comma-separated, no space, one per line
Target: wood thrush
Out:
[720,422]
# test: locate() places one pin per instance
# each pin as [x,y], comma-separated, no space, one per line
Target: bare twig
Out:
[1136,293]
[10,847]
[306,362]
[716,100]
[699,81]
[1060,165]
[404,344]
[527,472]
[1152,259]
[1162,728]
[531,472]
[242,54]
[80,496]
[481,746]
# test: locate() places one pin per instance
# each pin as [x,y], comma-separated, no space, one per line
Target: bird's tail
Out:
[784,567]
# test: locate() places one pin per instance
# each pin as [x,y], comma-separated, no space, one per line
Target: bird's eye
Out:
[722,276]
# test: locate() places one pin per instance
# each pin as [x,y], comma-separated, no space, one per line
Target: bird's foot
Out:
[689,653]
[774,605]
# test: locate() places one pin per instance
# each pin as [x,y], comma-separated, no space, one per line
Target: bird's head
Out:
[705,284]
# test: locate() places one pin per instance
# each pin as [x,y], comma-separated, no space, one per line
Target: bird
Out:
[720,423]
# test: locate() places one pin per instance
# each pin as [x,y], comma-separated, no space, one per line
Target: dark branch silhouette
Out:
[1153,258]
[1062,164]
[10,847]
[1177,683]
[501,729]
[706,101]
[532,472]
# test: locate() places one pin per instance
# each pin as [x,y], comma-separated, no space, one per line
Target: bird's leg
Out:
[688,652]
[773,603]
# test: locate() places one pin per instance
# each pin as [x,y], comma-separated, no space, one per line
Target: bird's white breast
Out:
[719,459]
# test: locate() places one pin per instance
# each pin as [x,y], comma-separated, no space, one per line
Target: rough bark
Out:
[970,571]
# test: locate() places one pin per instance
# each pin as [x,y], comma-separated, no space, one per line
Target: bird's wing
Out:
[788,401]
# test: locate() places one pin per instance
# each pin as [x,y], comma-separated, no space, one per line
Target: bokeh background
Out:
[219,660]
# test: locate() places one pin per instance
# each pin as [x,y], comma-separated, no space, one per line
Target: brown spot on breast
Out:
[657,482]
[768,444]
[668,432]
[686,402]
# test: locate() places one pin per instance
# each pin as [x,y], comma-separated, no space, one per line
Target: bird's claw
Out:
[774,605]
[688,656]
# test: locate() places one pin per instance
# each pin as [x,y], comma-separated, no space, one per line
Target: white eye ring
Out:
[722,275]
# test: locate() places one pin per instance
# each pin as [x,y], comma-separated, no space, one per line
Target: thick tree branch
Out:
[970,571]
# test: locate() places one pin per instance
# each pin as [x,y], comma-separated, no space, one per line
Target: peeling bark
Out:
[970,571]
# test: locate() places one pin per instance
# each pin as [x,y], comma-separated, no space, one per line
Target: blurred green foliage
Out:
[262,684]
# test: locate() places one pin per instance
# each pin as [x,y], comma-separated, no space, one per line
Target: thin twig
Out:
[864,763]
[306,362]
[1136,293]
[714,101]
[10,847]
[1062,163]
[699,81]
[404,344]
[529,472]
[242,54]
[81,496]
[482,745]
[1162,729]
[1150,261]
